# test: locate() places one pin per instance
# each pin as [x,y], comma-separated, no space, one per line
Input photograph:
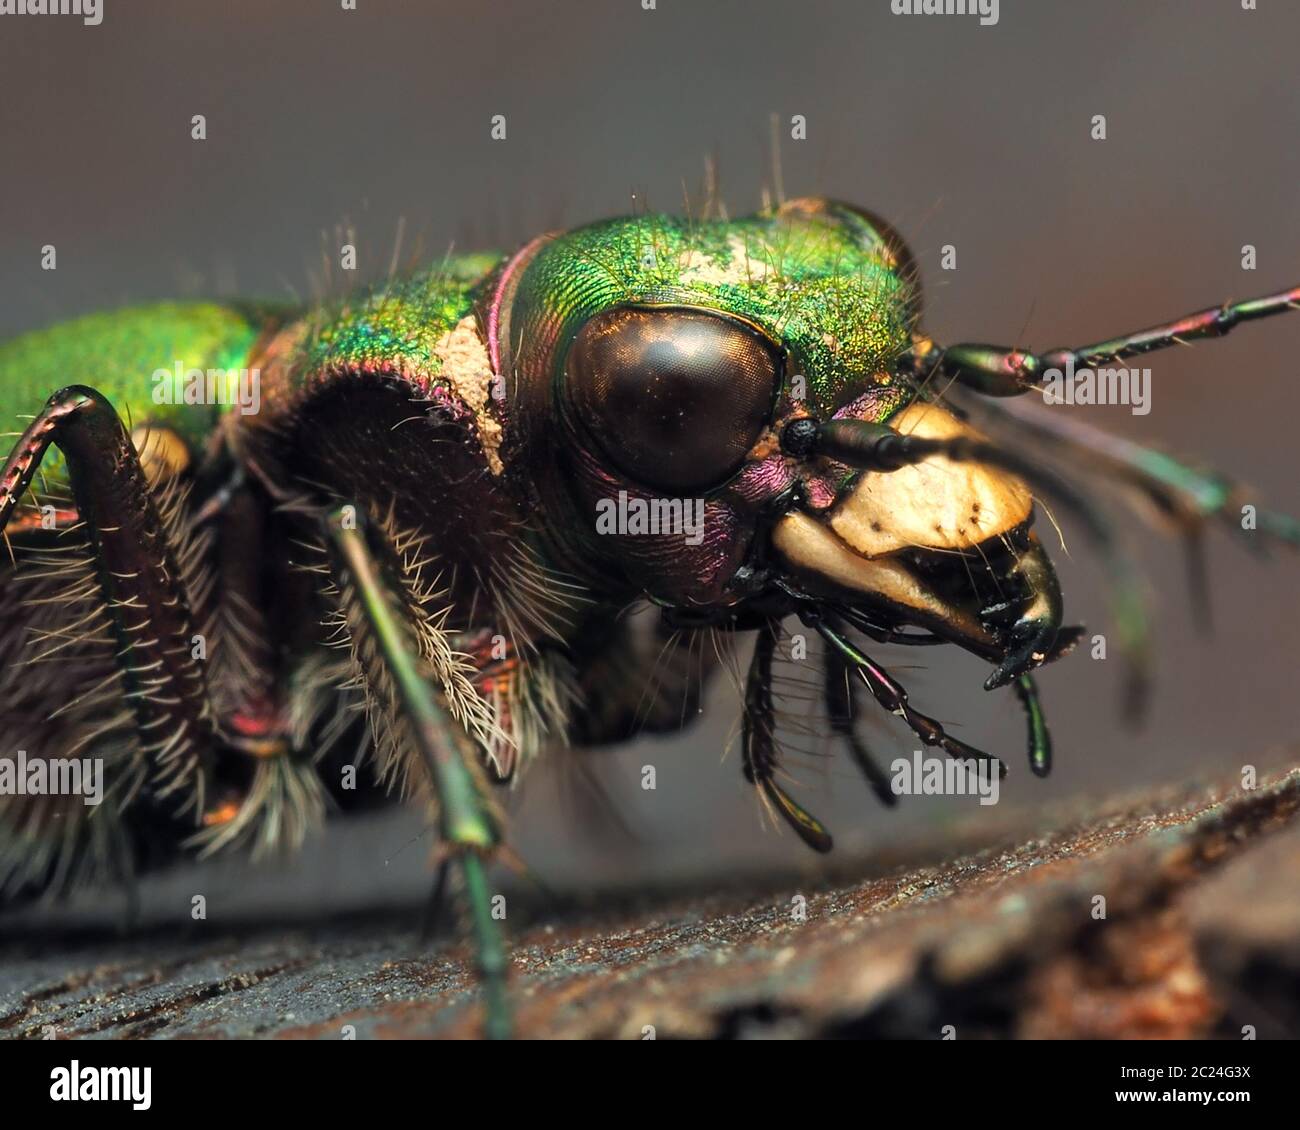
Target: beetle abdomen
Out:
[123,354]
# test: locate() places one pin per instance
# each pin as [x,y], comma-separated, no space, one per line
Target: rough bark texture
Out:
[1201,937]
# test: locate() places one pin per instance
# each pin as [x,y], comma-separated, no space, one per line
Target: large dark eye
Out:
[674,397]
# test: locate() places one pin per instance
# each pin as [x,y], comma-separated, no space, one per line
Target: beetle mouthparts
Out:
[828,565]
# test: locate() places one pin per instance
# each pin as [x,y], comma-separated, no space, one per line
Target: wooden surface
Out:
[1201,936]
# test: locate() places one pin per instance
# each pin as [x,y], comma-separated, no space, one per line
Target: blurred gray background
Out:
[962,134]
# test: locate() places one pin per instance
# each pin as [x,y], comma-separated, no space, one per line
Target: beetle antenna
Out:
[996,370]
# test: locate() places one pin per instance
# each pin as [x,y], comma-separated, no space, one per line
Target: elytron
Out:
[393,566]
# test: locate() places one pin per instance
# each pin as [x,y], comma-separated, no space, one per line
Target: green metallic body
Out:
[792,275]
[119,353]
[398,540]
[396,327]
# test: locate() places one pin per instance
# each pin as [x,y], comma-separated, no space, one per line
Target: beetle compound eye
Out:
[674,397]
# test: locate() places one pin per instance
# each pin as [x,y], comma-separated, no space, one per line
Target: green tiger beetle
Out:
[388,558]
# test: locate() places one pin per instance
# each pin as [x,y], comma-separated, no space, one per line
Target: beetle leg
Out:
[758,743]
[842,708]
[396,673]
[893,697]
[140,577]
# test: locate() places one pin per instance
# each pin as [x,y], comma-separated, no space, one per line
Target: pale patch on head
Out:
[467,368]
[710,271]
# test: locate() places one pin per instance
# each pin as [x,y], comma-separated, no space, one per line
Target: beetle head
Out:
[657,365]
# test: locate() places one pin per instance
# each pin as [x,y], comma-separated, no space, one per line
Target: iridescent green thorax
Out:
[119,353]
[397,327]
[830,290]
[423,332]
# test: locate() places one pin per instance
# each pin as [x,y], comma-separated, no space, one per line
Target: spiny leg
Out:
[995,370]
[758,742]
[842,709]
[139,575]
[893,697]
[468,829]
